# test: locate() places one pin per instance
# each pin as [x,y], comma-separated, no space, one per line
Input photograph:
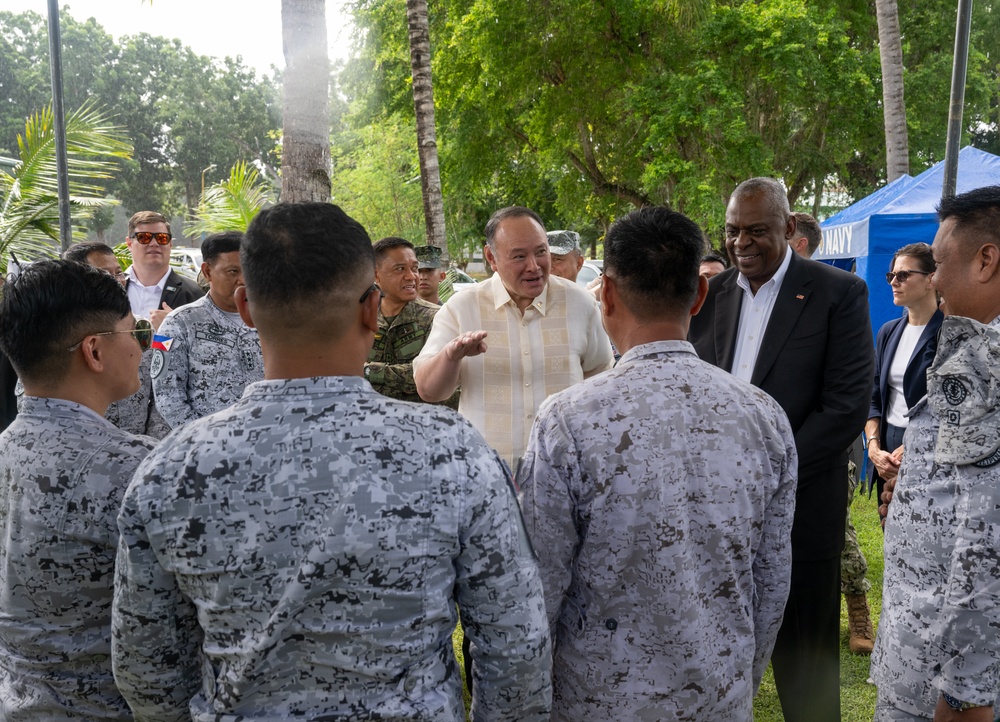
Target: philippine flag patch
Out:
[162,343]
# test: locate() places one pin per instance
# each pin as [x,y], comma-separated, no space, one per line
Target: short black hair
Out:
[808,227]
[509,212]
[218,243]
[653,255]
[52,305]
[79,252]
[384,245]
[977,209]
[294,253]
[714,257]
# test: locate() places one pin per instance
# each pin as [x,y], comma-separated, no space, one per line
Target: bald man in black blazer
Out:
[799,330]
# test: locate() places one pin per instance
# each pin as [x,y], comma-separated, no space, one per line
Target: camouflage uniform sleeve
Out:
[500,597]
[549,479]
[155,635]
[170,369]
[397,378]
[773,562]
[970,615]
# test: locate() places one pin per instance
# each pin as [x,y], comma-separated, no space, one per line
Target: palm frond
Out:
[29,205]
[231,204]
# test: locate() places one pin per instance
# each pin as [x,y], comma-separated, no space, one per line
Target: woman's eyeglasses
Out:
[901,276]
[143,333]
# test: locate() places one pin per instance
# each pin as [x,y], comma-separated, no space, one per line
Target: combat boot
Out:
[859,622]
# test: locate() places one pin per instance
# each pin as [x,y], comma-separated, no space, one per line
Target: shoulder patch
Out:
[158,363]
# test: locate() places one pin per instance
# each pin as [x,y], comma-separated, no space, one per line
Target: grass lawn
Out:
[857,697]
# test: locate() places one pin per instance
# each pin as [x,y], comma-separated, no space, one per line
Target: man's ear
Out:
[243,305]
[989,261]
[791,225]
[369,311]
[206,271]
[488,255]
[609,300]
[699,300]
[92,354]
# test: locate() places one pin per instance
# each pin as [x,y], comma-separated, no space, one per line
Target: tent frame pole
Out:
[959,71]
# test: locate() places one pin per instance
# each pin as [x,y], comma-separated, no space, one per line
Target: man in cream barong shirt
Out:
[513,340]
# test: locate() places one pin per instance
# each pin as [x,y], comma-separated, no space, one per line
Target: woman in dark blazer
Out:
[904,348]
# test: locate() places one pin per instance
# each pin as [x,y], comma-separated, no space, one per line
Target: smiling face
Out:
[521,257]
[757,235]
[396,274]
[954,278]
[151,260]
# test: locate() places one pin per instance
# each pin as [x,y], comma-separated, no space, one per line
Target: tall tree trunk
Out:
[305,143]
[897,151]
[423,104]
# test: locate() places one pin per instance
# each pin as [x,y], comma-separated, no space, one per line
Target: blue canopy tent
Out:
[870,231]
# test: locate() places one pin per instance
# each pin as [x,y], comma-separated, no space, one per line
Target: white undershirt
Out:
[894,383]
[755,314]
[144,299]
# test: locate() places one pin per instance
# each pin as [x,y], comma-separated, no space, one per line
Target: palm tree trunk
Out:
[305,144]
[897,153]
[423,104]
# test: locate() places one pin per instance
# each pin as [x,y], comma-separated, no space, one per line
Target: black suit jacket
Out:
[816,359]
[914,378]
[179,290]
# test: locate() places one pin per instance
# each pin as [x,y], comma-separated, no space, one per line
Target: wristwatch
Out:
[870,440]
[957,704]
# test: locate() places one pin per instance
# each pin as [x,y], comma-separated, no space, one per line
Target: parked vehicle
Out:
[186,261]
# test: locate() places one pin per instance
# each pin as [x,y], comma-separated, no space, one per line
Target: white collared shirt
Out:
[558,341]
[144,299]
[755,314]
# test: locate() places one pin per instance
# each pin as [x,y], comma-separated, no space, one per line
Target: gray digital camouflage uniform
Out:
[212,358]
[941,591]
[63,471]
[312,542]
[135,414]
[390,364]
[659,497]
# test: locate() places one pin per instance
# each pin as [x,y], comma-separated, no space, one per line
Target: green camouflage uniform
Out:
[853,565]
[399,339]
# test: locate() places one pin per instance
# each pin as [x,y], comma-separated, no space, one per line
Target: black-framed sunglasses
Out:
[901,276]
[143,333]
[371,289]
[145,238]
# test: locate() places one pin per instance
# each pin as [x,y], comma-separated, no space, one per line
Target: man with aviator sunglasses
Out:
[71,338]
[154,288]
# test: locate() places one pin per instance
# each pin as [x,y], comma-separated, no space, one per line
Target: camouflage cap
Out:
[428,256]
[563,242]
[963,388]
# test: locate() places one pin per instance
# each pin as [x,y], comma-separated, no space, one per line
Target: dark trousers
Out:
[892,441]
[806,659]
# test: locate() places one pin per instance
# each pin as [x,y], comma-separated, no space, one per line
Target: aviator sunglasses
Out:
[145,237]
[143,333]
[901,276]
